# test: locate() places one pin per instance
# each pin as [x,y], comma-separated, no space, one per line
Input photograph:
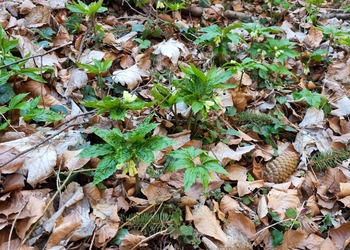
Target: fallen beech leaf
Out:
[242,223]
[130,77]
[171,49]
[293,239]
[131,240]
[340,236]
[206,223]
[247,187]
[157,191]
[224,153]
[64,227]
[280,201]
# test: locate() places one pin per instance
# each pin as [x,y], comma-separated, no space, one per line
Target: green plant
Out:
[314,99]
[88,10]
[45,35]
[97,68]
[322,161]
[313,8]
[197,164]
[256,30]
[117,107]
[139,3]
[334,35]
[73,23]
[143,44]
[28,110]
[197,89]
[219,40]
[326,223]
[124,150]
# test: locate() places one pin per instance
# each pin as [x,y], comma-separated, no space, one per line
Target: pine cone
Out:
[279,169]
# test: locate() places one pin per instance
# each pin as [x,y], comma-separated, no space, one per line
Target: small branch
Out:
[82,42]
[31,57]
[148,238]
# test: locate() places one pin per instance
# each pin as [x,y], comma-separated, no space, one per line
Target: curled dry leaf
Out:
[247,187]
[242,223]
[225,154]
[131,240]
[64,227]
[340,236]
[157,191]
[8,153]
[130,77]
[171,49]
[207,224]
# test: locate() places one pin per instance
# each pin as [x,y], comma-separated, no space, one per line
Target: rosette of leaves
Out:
[117,107]
[197,89]
[197,163]
[124,151]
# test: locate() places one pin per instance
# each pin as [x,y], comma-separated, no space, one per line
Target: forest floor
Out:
[166,124]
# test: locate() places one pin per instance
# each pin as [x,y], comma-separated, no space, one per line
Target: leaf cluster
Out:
[124,150]
[87,10]
[187,158]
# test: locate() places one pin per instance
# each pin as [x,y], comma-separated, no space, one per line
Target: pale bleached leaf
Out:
[171,49]
[130,77]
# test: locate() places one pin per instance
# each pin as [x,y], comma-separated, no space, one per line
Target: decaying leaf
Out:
[206,223]
[171,49]
[130,77]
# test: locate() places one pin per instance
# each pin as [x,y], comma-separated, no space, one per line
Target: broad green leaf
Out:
[123,154]
[4,125]
[4,76]
[96,151]
[6,93]
[181,164]
[113,137]
[140,132]
[203,176]
[157,143]
[105,169]
[3,109]
[189,178]
[47,116]
[277,238]
[16,99]
[291,213]
[197,106]
[145,155]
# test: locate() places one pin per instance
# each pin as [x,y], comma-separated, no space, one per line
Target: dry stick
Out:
[47,207]
[81,47]
[38,145]
[13,226]
[148,238]
[274,224]
[31,57]
[74,117]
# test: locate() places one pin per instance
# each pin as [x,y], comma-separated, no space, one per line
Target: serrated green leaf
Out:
[47,116]
[189,178]
[181,164]
[123,154]
[157,143]
[105,169]
[141,131]
[197,106]
[145,155]
[113,137]
[96,151]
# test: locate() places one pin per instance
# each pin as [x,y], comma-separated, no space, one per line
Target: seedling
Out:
[197,164]
[97,68]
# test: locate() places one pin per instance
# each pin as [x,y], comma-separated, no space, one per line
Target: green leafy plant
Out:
[197,89]
[28,110]
[314,99]
[326,223]
[97,68]
[143,44]
[124,151]
[219,40]
[335,36]
[117,107]
[197,164]
[89,11]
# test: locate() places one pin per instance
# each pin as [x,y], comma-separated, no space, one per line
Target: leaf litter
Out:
[46,196]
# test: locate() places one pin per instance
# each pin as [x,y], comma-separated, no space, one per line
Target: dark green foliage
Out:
[322,161]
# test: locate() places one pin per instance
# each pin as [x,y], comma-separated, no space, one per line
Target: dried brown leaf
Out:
[207,224]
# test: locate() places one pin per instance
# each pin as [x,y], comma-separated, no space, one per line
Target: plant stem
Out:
[189,120]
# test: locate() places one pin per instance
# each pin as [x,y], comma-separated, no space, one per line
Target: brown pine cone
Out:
[279,169]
